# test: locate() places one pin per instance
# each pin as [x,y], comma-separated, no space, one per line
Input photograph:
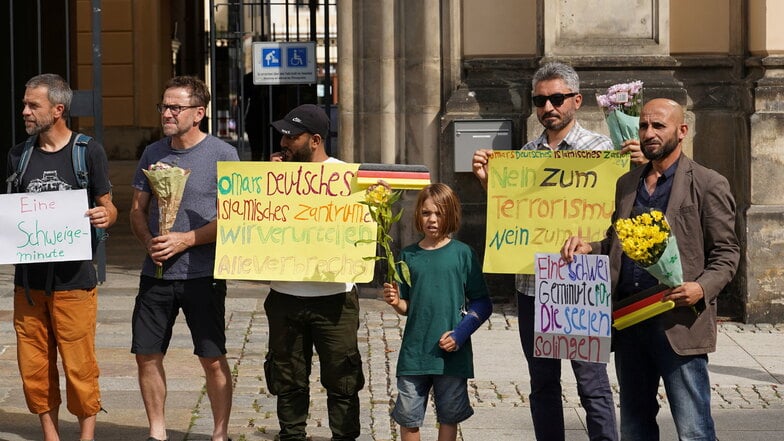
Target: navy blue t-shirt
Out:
[633,278]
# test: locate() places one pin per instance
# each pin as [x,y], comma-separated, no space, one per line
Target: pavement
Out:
[747,370]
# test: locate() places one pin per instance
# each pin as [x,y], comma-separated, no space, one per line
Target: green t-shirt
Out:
[441,280]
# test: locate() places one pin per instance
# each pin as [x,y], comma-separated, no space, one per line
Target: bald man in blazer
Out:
[672,346]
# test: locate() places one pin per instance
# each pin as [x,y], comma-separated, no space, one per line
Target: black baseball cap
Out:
[305,118]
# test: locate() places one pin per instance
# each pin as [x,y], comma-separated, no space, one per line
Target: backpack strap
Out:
[81,171]
[15,180]
[13,183]
[79,160]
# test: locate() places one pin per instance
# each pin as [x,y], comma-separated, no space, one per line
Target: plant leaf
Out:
[373,258]
[405,272]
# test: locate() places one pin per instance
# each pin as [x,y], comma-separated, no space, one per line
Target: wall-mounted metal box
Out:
[471,135]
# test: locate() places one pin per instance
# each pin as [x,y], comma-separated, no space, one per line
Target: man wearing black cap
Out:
[305,130]
[302,315]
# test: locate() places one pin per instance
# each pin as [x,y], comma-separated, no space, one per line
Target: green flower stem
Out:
[379,200]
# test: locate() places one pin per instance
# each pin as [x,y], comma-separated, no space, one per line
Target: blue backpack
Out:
[79,162]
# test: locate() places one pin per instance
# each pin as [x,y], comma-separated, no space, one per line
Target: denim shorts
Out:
[450,395]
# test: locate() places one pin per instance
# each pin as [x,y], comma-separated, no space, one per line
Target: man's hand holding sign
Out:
[537,199]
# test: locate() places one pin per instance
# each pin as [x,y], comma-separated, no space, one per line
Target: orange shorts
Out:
[64,322]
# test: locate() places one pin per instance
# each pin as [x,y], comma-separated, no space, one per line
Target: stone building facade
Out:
[409,69]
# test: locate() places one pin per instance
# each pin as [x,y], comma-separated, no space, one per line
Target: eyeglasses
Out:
[556,99]
[173,108]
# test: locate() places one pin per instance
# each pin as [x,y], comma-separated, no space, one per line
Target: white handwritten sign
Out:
[573,318]
[50,226]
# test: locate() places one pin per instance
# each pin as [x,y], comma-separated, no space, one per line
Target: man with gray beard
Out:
[55,303]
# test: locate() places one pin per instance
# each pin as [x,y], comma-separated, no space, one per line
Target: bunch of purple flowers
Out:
[626,97]
[622,105]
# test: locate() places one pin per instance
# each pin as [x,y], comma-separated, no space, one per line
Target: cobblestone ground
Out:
[254,418]
[765,396]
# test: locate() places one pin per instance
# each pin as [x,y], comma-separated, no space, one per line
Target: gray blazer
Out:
[701,213]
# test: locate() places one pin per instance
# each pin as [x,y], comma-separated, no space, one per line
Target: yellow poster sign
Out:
[536,199]
[292,221]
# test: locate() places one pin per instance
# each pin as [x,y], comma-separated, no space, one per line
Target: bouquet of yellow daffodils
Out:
[379,198]
[648,240]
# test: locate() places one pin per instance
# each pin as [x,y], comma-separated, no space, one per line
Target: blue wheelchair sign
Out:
[297,56]
[276,62]
[270,57]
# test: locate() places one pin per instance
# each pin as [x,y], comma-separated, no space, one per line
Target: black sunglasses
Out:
[556,99]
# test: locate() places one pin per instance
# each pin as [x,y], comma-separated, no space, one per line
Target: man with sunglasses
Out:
[186,255]
[556,97]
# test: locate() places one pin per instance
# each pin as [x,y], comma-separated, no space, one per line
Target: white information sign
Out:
[573,317]
[50,226]
[277,62]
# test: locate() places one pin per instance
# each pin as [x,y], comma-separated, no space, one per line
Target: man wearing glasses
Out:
[556,97]
[186,255]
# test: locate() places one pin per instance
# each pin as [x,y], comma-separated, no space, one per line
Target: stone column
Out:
[374,87]
[394,101]
[346,81]
[764,250]
[764,221]
[387,73]
[390,82]
[605,49]
[422,84]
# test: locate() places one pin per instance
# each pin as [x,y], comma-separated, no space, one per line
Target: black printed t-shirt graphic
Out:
[53,171]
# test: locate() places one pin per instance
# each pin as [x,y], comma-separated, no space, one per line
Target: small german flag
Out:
[398,176]
[641,306]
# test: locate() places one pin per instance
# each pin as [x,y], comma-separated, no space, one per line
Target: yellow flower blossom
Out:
[378,194]
[379,198]
[644,237]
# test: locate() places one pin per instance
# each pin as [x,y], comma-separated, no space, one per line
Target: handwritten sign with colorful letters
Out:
[292,221]
[573,316]
[536,199]
[50,226]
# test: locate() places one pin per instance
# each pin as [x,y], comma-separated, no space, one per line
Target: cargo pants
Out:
[296,325]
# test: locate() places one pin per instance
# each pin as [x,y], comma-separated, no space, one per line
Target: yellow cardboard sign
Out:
[536,199]
[292,221]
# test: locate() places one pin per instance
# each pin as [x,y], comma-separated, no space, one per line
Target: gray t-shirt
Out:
[199,202]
